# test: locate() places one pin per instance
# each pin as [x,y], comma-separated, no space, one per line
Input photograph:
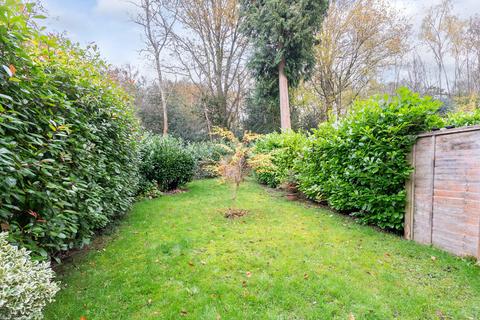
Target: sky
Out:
[108,24]
[104,22]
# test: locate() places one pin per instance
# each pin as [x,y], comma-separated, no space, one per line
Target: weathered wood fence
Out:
[443,206]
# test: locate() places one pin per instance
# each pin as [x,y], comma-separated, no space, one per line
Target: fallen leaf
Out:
[183,312]
[190,263]
[351,317]
[83,318]
[439,314]
[305,276]
[244,284]
[218,317]
[149,301]
[12,68]
[433,258]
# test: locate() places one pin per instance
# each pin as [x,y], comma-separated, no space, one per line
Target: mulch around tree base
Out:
[233,213]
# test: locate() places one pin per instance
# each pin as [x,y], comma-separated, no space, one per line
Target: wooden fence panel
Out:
[443,205]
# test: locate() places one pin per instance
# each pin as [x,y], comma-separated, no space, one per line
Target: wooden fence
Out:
[443,206]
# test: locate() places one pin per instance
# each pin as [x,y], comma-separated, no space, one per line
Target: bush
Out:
[359,165]
[68,150]
[166,161]
[207,154]
[276,154]
[26,286]
[147,189]
[461,119]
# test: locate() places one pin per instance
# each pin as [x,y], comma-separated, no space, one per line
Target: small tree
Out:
[236,166]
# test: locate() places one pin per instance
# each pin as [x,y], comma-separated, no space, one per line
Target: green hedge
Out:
[461,119]
[68,150]
[166,161]
[282,149]
[359,165]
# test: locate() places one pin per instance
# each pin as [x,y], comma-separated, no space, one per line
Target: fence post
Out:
[410,205]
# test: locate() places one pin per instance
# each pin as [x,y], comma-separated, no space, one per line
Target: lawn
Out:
[177,257]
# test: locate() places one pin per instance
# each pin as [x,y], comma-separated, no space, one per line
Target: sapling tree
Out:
[236,166]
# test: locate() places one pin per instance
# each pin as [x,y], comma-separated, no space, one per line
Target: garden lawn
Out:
[177,257]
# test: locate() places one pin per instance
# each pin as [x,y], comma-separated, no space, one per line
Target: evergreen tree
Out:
[282,33]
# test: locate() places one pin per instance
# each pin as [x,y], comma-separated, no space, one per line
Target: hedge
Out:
[282,150]
[68,149]
[359,165]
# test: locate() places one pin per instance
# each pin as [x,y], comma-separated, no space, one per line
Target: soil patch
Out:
[233,213]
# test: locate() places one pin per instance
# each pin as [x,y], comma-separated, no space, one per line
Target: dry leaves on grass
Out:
[233,213]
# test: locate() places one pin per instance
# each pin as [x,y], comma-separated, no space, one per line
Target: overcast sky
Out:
[107,23]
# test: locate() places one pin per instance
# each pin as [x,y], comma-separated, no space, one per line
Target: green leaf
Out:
[7,70]
[11,182]
[4,96]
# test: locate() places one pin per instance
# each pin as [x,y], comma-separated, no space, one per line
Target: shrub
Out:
[234,167]
[148,189]
[166,161]
[207,154]
[68,150]
[26,286]
[461,119]
[359,164]
[276,154]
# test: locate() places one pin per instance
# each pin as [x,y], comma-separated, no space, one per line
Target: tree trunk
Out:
[165,113]
[284,103]
[163,101]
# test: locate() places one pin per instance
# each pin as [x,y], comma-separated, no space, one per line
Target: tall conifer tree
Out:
[282,33]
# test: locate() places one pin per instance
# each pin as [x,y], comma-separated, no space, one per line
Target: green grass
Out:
[178,257]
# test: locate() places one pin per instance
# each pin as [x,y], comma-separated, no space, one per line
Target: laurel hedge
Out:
[359,164]
[68,138]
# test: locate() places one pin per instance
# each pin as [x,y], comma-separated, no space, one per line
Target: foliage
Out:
[275,156]
[360,165]
[208,154]
[358,41]
[166,161]
[68,153]
[234,167]
[186,117]
[460,119]
[147,189]
[281,29]
[285,260]
[26,286]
